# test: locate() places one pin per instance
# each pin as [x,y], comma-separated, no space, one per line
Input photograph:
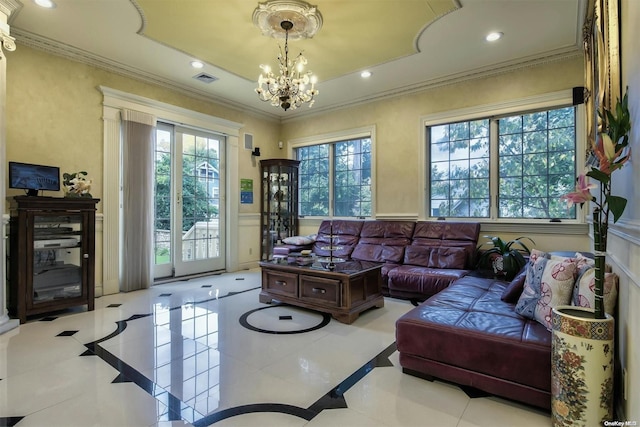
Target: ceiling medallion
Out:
[306,19]
[289,88]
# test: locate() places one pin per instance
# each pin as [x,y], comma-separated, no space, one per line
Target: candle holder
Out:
[330,262]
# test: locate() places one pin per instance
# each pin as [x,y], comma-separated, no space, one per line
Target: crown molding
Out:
[78,55]
[9,7]
[82,56]
[478,73]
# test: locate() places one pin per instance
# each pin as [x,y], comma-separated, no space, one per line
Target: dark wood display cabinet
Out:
[278,204]
[51,254]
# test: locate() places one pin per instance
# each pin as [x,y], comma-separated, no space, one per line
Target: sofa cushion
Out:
[548,284]
[435,257]
[448,234]
[383,241]
[412,281]
[346,234]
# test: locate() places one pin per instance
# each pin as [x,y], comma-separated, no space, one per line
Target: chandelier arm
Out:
[288,90]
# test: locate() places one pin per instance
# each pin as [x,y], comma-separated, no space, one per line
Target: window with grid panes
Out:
[534,159]
[335,178]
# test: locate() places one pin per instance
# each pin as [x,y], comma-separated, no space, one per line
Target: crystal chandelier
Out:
[291,88]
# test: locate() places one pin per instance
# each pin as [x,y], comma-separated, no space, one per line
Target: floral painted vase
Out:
[581,367]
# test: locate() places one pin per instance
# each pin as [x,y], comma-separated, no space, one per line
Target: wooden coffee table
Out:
[344,292]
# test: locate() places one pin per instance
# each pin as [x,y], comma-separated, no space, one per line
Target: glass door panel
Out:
[57,257]
[189,202]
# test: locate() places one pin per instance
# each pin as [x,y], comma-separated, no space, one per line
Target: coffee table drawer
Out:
[281,283]
[320,290]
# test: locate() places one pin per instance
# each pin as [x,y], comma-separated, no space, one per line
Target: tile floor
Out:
[205,352]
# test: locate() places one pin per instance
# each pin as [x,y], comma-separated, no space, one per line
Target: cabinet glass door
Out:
[279,203]
[57,258]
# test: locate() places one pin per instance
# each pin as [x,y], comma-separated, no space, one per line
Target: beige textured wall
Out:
[54,116]
[399,134]
[398,130]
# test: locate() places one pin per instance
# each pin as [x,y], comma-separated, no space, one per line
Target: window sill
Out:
[574,228]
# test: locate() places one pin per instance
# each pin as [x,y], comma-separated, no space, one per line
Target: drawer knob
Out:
[281,283]
[318,291]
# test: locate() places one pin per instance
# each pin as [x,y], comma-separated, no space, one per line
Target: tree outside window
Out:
[536,165]
[335,178]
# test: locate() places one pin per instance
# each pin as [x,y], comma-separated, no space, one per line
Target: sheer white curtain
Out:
[138,139]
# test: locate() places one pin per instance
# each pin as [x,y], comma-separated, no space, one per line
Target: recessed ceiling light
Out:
[197,64]
[49,4]
[365,74]
[491,37]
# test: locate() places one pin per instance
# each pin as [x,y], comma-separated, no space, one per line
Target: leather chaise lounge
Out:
[468,335]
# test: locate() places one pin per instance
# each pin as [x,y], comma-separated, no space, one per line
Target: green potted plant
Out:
[507,258]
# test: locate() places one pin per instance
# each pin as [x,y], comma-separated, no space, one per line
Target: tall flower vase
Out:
[581,367]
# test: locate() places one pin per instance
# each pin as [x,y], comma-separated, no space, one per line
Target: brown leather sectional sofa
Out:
[420,258]
[466,331]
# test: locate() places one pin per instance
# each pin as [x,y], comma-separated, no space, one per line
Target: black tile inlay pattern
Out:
[164,295]
[286,317]
[334,399]
[206,286]
[48,319]
[239,278]
[326,318]
[66,333]
[9,421]
[178,410]
[113,305]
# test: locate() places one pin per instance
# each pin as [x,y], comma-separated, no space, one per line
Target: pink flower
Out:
[605,151]
[582,193]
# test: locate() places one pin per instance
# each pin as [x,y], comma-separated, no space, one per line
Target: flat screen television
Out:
[34,178]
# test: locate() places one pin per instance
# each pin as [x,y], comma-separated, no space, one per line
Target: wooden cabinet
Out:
[51,254]
[344,294]
[278,204]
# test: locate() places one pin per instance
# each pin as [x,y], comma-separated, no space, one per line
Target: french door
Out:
[189,201]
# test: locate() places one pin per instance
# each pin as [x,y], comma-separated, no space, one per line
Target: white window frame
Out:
[339,136]
[518,106]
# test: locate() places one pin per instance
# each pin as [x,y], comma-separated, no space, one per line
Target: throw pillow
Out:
[549,283]
[584,296]
[583,262]
[513,291]
[535,255]
[300,240]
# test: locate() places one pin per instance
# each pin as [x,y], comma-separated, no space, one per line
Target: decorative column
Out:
[7,44]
